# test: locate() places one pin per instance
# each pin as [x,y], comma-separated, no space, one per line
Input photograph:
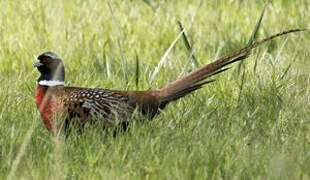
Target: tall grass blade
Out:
[149,4]
[286,70]
[107,63]
[255,62]
[251,40]
[280,51]
[22,150]
[241,85]
[164,58]
[185,69]
[188,46]
[254,34]
[117,32]
[137,71]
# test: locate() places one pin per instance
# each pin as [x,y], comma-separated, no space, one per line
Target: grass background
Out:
[218,132]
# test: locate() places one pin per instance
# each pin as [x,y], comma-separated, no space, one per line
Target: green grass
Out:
[218,132]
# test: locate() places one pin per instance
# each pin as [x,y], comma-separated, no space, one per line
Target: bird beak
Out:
[37,64]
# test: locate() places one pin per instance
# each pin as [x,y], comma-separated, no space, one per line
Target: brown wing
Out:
[97,105]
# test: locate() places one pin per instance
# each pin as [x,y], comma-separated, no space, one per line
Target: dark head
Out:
[51,68]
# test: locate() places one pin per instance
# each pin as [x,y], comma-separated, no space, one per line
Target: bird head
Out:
[51,68]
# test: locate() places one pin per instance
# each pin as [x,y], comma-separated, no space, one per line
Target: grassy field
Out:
[249,125]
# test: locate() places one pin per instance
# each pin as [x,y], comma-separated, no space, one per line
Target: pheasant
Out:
[61,106]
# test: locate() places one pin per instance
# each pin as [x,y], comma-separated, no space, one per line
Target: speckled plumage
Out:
[83,105]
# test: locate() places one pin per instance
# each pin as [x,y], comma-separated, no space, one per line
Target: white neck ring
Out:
[51,83]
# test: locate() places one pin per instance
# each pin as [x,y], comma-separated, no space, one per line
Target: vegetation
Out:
[252,123]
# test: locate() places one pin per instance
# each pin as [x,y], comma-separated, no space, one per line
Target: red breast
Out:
[44,104]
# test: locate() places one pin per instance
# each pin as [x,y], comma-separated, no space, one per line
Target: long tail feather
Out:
[188,83]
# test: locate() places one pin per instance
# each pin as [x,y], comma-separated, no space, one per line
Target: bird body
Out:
[83,104]
[62,106]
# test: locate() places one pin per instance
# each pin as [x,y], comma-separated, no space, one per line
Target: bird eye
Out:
[45,61]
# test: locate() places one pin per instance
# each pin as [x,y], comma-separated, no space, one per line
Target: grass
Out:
[218,132]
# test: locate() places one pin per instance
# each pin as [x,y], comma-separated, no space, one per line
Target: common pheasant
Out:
[60,106]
